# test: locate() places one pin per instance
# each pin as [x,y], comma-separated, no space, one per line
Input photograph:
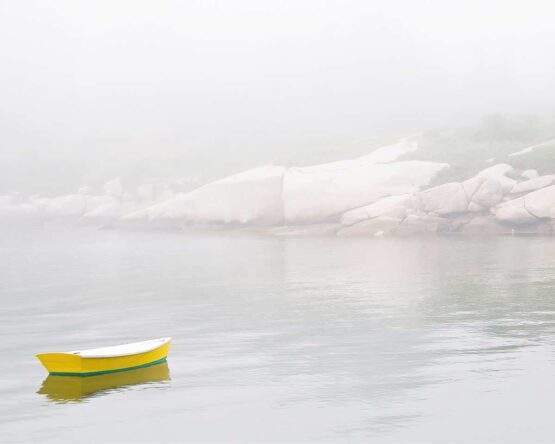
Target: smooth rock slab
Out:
[500,173]
[103,210]
[472,185]
[70,206]
[252,197]
[514,212]
[316,194]
[445,199]
[489,194]
[533,184]
[419,224]
[391,206]
[541,203]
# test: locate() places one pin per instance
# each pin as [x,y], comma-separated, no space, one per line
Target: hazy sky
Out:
[92,88]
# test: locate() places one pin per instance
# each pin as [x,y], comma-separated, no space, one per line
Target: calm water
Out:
[282,339]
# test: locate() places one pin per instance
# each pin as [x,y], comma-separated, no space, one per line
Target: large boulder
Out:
[323,192]
[514,212]
[275,195]
[252,197]
[390,206]
[102,210]
[472,185]
[489,187]
[444,199]
[489,194]
[541,203]
[69,206]
[501,173]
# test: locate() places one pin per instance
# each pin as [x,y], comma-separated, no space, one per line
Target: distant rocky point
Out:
[374,195]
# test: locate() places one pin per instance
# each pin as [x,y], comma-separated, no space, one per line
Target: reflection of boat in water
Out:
[99,361]
[71,388]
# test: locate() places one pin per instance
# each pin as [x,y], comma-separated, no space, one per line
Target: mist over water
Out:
[283,339]
[96,90]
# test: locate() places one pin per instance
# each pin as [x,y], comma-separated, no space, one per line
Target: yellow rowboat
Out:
[99,361]
[62,389]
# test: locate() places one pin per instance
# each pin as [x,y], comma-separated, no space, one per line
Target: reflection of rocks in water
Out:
[75,388]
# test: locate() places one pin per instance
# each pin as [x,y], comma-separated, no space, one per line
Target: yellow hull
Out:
[71,364]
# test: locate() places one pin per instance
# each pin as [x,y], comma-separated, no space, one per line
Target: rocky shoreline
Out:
[374,195]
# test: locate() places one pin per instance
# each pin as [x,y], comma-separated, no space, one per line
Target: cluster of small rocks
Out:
[85,207]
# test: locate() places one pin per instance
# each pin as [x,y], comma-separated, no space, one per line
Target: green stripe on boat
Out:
[104,372]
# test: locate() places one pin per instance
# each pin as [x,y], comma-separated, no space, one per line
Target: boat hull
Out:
[68,364]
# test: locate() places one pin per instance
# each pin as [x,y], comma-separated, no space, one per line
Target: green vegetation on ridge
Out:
[491,141]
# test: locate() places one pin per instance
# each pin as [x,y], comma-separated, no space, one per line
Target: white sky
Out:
[206,81]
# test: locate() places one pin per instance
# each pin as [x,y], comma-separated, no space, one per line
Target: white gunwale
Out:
[133,348]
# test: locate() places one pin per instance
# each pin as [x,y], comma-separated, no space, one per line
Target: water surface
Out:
[282,339]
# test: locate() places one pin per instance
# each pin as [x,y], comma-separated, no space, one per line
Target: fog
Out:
[340,213]
[147,90]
